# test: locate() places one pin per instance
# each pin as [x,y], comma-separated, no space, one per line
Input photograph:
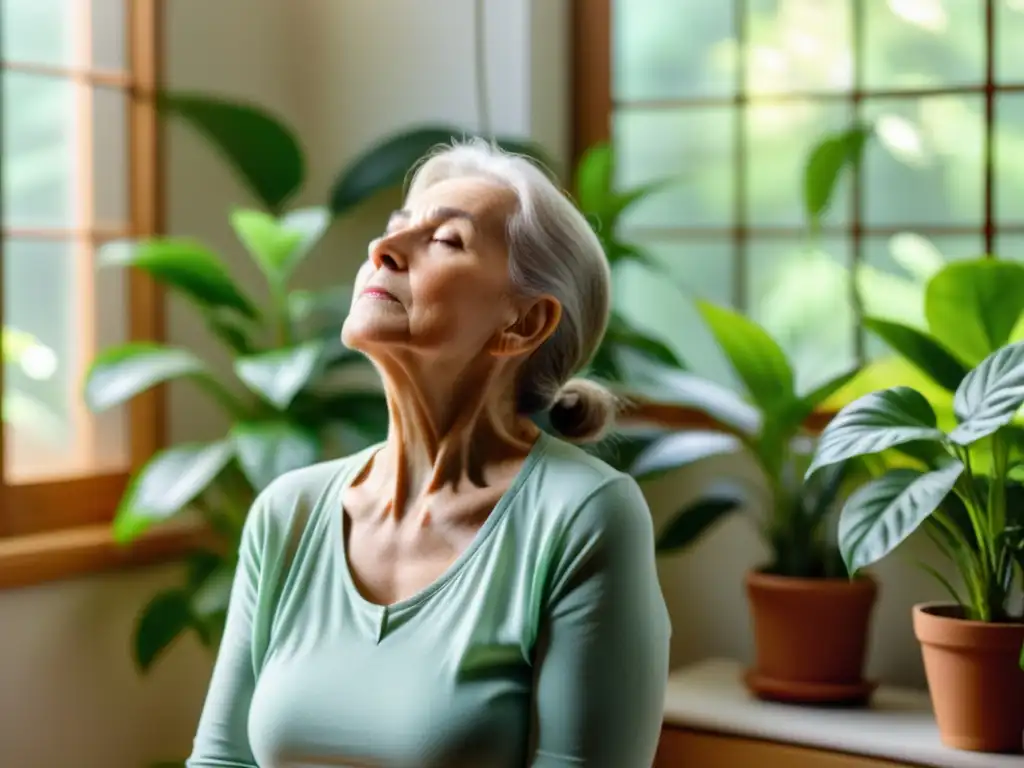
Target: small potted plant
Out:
[811,622]
[963,494]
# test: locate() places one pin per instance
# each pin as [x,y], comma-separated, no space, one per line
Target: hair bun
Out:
[583,411]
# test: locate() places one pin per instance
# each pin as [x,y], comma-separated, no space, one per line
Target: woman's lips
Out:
[378,293]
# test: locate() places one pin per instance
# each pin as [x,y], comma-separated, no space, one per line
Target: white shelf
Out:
[898,725]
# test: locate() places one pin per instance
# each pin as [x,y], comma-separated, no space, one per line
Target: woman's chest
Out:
[392,704]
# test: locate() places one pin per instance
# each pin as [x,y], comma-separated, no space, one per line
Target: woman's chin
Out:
[366,334]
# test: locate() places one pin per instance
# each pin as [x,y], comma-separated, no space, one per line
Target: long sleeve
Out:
[222,739]
[602,657]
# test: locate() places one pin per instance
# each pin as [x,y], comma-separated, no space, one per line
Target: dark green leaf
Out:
[266,450]
[233,329]
[387,164]
[680,449]
[277,376]
[185,266]
[921,350]
[260,148]
[621,201]
[824,166]
[365,411]
[885,511]
[990,395]
[168,482]
[120,373]
[163,619]
[873,423]
[620,448]
[671,386]
[212,595]
[622,334]
[973,306]
[754,355]
[693,521]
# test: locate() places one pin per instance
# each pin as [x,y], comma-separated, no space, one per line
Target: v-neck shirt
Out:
[545,644]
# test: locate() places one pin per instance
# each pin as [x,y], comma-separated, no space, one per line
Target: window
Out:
[79,169]
[728,98]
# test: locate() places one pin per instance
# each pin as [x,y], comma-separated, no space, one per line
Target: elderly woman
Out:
[473,592]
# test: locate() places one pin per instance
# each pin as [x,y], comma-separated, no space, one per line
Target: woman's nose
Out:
[385,255]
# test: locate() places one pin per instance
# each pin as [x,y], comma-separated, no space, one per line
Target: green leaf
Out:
[266,450]
[185,266]
[973,306]
[622,333]
[279,245]
[671,386]
[620,448]
[594,178]
[823,392]
[921,350]
[122,372]
[755,356]
[990,395]
[366,411]
[387,164]
[164,618]
[259,147]
[680,449]
[328,307]
[824,166]
[277,376]
[873,423]
[693,521]
[885,511]
[166,484]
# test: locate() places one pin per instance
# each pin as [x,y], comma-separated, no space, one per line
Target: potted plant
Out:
[810,621]
[959,480]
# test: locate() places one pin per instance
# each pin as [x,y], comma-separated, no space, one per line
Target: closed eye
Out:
[449,242]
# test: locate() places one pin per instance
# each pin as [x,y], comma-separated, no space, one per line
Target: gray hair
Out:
[552,250]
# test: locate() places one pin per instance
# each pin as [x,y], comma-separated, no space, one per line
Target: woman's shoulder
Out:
[582,494]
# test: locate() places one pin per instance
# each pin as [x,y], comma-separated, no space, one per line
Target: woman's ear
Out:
[530,328]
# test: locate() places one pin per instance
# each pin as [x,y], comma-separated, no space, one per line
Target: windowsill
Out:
[76,552]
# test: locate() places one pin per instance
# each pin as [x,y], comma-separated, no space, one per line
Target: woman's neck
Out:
[445,431]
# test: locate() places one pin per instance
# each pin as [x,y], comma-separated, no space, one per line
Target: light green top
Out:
[544,645]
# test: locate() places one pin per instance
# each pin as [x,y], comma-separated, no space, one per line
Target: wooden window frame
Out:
[60,528]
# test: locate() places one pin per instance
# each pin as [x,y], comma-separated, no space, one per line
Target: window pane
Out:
[779,137]
[1009,159]
[1009,33]
[798,46]
[110,156]
[896,269]
[694,148]
[1010,247]
[699,269]
[665,49]
[37,31]
[923,43]
[108,34]
[925,166]
[38,151]
[800,294]
[58,312]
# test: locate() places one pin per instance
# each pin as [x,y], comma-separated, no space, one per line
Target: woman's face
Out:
[437,281]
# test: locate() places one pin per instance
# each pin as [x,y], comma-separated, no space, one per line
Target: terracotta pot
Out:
[811,638]
[974,677]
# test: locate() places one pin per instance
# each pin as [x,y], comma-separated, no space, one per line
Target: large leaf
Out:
[184,265]
[663,384]
[680,449]
[266,450]
[873,423]
[166,484]
[279,245]
[621,333]
[594,178]
[921,350]
[387,164]
[164,618]
[120,373]
[277,376]
[885,511]
[973,306]
[694,520]
[990,395]
[260,148]
[755,356]
[824,166]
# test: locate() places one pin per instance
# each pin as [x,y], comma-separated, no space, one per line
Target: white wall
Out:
[344,72]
